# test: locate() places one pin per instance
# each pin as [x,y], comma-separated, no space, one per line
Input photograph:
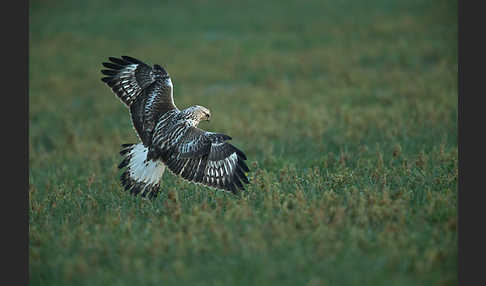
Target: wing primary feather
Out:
[188,170]
[178,166]
[118,61]
[194,169]
[107,79]
[240,153]
[232,188]
[109,72]
[112,66]
[243,165]
[132,60]
[237,182]
[200,171]
[241,175]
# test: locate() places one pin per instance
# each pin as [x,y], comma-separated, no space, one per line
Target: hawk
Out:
[169,137]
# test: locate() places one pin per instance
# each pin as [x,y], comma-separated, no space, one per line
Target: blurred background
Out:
[338,105]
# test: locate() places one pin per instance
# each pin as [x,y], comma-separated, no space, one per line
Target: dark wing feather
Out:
[127,77]
[145,90]
[206,158]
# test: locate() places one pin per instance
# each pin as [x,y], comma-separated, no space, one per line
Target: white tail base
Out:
[149,172]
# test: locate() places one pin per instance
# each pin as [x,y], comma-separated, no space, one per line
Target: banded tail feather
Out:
[141,176]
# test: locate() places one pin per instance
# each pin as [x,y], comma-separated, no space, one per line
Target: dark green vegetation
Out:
[347,111]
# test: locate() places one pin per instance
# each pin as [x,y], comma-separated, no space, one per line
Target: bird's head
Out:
[203,113]
[199,113]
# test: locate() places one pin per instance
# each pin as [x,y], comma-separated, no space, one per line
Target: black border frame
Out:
[15,77]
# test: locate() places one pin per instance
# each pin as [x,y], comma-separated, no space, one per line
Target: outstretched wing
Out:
[204,157]
[146,91]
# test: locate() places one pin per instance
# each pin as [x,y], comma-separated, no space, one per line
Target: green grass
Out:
[347,111]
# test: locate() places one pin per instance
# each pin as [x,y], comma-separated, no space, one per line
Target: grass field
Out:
[347,111]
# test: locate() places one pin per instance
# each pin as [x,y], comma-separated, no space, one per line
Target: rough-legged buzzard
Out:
[169,136]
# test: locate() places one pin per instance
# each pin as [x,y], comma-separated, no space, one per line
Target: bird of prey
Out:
[169,137]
